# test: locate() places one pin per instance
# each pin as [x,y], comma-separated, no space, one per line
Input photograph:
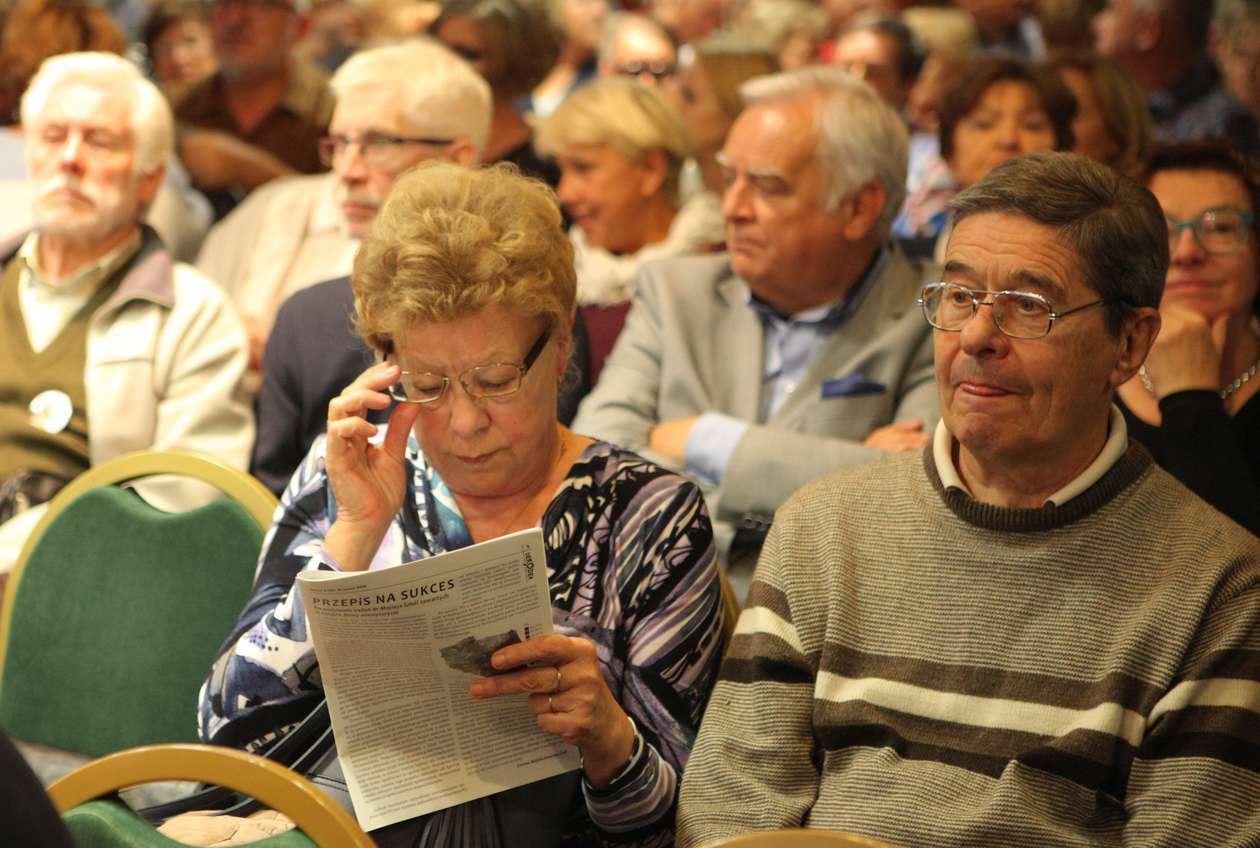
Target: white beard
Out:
[95,215]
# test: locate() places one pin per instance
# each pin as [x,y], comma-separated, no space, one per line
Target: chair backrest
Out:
[799,838]
[108,823]
[115,609]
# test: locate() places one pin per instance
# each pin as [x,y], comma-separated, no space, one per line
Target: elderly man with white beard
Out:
[107,345]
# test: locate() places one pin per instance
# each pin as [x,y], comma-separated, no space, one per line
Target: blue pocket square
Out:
[851,385]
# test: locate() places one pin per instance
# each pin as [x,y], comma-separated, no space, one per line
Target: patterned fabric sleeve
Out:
[266,676]
[1196,777]
[664,576]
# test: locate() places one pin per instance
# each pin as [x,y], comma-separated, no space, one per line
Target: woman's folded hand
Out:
[568,696]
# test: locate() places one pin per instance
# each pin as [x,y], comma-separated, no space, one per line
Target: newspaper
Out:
[397,649]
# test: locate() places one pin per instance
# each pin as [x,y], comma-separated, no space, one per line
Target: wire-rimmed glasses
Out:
[1020,315]
[496,380]
[379,150]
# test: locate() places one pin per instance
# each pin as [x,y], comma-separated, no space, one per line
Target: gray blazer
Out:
[692,344]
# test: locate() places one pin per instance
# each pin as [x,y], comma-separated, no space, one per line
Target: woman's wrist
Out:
[602,766]
[352,546]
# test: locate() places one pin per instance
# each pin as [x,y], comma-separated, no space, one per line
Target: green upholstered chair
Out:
[115,609]
[108,824]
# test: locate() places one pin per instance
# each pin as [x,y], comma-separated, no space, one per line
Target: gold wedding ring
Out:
[556,686]
[551,705]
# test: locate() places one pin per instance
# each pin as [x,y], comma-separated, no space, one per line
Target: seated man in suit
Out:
[1027,633]
[108,345]
[800,351]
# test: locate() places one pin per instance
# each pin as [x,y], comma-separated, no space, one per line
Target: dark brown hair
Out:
[166,13]
[39,29]
[1114,225]
[1056,100]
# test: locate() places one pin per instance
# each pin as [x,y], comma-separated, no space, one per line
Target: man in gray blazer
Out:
[801,350]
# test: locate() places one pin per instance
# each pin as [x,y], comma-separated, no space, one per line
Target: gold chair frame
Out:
[316,814]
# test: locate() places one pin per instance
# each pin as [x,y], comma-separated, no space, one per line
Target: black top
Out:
[531,164]
[1216,456]
[28,816]
[313,353]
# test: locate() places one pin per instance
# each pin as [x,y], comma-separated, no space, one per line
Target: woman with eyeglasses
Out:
[465,287]
[1194,403]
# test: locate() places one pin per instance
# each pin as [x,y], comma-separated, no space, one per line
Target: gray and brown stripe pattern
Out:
[931,671]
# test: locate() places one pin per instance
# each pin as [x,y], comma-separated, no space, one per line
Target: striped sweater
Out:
[923,668]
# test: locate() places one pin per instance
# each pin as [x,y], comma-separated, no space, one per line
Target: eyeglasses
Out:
[1219,231]
[483,381]
[379,150]
[1020,315]
[656,70]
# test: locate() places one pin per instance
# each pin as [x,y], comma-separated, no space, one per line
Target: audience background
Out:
[977,82]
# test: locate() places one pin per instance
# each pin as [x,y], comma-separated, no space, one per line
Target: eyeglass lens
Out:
[1018,314]
[1219,231]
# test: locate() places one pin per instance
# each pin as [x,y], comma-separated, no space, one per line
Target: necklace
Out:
[1224,393]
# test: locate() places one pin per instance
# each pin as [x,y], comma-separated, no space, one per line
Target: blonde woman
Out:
[621,146]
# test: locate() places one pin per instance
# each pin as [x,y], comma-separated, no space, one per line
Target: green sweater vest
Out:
[25,374]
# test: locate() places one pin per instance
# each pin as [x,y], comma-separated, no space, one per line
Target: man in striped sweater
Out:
[1027,634]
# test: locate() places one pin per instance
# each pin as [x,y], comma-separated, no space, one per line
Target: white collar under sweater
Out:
[1113,449]
[605,279]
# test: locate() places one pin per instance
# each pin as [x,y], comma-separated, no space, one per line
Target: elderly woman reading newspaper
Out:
[466,289]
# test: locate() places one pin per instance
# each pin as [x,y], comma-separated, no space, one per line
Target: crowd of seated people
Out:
[932,328]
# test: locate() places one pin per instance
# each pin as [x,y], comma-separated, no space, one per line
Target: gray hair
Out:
[1115,226]
[860,138]
[152,125]
[616,24]
[437,89]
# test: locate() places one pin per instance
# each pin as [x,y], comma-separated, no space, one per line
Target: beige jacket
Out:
[287,235]
[166,355]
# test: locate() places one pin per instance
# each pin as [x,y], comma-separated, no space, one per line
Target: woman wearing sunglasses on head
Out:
[1194,404]
[465,287]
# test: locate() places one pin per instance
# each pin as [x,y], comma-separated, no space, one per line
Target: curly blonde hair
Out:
[450,241]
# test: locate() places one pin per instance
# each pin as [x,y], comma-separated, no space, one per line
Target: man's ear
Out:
[863,209]
[147,186]
[1137,334]
[563,339]
[299,27]
[1149,30]
[462,152]
[655,167]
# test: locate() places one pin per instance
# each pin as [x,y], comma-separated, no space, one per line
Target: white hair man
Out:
[797,352]
[1027,633]
[638,47]
[397,106]
[111,347]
